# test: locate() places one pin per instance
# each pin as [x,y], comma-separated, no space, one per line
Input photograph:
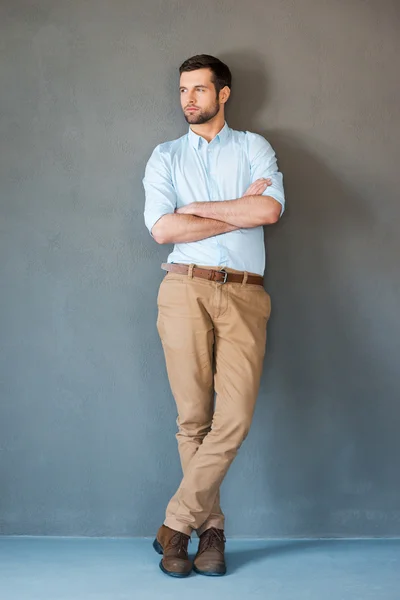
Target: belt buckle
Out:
[225,276]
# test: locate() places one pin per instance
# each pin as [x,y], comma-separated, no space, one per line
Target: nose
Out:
[191,98]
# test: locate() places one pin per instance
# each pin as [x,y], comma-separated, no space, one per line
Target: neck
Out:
[209,130]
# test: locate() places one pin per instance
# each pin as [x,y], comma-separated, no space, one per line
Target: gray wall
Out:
[87,420]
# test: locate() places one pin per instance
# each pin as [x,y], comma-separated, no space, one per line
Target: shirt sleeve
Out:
[159,190]
[263,163]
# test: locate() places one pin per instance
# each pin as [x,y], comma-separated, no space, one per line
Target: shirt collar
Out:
[195,139]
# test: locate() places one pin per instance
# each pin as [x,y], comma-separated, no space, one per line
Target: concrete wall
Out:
[87,421]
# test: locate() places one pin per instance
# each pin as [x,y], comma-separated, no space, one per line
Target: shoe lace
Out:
[212,538]
[180,541]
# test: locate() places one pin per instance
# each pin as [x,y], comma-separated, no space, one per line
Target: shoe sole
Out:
[158,548]
[209,573]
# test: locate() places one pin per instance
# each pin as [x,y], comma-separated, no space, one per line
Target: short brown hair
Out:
[221,75]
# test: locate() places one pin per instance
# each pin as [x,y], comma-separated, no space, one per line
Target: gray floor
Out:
[40,568]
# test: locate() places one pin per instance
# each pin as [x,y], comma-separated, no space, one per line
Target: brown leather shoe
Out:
[210,559]
[173,545]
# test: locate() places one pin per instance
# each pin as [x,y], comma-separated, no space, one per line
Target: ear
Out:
[224,94]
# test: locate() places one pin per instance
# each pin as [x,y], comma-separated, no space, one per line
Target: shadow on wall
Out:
[330,377]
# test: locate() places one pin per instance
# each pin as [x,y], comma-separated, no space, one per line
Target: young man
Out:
[209,193]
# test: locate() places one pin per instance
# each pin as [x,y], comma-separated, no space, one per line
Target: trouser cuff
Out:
[217,523]
[178,526]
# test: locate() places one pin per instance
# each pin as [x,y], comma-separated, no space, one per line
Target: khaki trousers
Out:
[213,336]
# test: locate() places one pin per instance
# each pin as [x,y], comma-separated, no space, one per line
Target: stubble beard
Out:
[200,117]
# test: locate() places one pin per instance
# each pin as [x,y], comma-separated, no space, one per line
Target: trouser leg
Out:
[187,336]
[239,318]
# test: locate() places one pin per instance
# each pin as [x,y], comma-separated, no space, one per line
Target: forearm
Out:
[246,212]
[175,228]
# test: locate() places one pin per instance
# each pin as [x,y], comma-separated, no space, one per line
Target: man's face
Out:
[199,99]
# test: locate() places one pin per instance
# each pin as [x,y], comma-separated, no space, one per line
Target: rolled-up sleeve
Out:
[159,190]
[263,163]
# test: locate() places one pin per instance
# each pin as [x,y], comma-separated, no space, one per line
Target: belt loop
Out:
[245,276]
[190,271]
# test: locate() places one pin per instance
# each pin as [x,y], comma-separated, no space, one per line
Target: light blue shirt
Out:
[191,170]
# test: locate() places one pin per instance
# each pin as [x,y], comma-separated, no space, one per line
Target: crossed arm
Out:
[200,220]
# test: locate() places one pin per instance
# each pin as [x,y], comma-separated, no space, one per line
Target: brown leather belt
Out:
[220,276]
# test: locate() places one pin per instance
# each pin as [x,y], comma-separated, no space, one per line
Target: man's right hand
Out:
[258,187]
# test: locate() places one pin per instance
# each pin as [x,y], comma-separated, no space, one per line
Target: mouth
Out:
[192,109]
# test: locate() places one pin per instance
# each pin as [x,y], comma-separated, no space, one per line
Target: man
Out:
[209,193]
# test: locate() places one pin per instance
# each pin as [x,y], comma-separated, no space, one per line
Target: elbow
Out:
[159,233]
[274,218]
[274,213]
[159,238]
